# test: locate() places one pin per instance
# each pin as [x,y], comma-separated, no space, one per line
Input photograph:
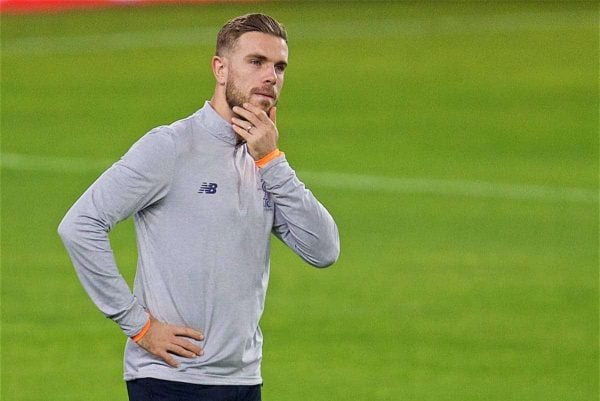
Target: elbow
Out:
[77,230]
[65,229]
[328,258]
[324,263]
[330,253]
[68,229]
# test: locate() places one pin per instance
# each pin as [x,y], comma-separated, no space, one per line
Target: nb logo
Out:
[208,188]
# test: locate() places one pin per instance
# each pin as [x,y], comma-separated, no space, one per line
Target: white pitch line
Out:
[19,162]
[345,181]
[477,189]
[383,29]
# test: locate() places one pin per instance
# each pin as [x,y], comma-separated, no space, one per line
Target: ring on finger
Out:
[249,128]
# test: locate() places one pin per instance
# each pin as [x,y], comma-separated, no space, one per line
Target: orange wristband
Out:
[268,157]
[142,333]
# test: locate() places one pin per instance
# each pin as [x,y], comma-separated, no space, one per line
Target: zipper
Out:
[239,158]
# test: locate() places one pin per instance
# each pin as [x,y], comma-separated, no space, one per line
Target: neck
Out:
[220,105]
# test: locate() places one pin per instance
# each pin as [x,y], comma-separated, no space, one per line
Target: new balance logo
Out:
[208,188]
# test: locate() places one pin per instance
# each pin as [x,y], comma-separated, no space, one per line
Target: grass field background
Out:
[438,294]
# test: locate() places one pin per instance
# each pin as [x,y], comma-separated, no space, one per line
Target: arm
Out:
[301,222]
[140,179]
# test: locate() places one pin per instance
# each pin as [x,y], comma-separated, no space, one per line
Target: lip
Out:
[268,95]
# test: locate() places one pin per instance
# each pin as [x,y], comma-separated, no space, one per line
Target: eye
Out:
[255,61]
[280,67]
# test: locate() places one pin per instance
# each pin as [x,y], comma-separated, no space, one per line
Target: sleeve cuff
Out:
[142,332]
[260,163]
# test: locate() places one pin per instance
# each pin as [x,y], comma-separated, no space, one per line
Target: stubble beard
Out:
[235,97]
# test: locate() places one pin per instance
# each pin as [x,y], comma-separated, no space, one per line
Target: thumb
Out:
[273,114]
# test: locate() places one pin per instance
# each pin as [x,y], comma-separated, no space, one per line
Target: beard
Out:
[235,97]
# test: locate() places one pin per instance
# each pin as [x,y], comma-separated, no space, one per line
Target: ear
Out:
[219,67]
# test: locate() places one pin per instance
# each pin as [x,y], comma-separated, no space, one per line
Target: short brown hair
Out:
[236,27]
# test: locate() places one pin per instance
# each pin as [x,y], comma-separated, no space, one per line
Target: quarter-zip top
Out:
[203,214]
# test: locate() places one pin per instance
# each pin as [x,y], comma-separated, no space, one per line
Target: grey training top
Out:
[203,216]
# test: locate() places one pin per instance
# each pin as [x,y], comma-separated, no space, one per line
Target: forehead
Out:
[258,43]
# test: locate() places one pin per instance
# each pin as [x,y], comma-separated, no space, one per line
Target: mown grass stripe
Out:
[307,31]
[345,181]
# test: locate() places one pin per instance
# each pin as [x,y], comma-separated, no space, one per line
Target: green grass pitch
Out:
[438,295]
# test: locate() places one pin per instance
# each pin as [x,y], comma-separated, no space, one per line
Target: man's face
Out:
[256,70]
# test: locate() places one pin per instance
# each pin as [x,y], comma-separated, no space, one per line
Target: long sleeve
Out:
[140,179]
[301,221]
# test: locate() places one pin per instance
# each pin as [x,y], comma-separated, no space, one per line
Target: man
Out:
[205,192]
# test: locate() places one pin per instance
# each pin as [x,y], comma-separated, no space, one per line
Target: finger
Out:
[169,359]
[273,115]
[189,346]
[257,111]
[248,115]
[242,132]
[189,332]
[180,351]
[243,124]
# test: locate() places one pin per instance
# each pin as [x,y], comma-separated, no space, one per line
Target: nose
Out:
[270,74]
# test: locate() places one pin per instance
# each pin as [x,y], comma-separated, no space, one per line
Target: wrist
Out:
[263,161]
[142,332]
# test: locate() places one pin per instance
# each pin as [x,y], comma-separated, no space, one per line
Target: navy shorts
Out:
[163,390]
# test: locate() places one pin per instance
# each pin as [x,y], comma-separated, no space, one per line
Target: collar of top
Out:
[216,125]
